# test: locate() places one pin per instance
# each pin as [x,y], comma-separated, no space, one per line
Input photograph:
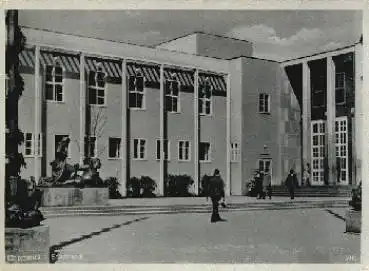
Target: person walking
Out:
[216,193]
[259,184]
[291,183]
[267,185]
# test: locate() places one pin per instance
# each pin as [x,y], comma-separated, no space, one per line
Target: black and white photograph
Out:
[184,136]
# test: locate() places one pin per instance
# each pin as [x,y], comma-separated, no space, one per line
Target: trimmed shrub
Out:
[178,186]
[113,185]
[148,187]
[141,187]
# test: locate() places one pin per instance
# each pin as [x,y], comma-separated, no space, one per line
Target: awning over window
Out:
[68,61]
[186,78]
[27,58]
[216,81]
[111,67]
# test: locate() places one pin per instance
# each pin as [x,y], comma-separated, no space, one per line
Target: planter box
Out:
[68,196]
[353,221]
[27,245]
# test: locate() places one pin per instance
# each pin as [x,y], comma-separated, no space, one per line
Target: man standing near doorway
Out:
[216,193]
[291,183]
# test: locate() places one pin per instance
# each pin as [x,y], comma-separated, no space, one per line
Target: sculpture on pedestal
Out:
[66,175]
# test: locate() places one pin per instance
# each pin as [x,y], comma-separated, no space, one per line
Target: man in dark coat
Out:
[259,176]
[216,193]
[291,183]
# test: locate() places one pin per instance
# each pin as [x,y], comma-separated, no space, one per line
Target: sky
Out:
[276,35]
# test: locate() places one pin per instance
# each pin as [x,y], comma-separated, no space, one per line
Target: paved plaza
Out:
[262,236]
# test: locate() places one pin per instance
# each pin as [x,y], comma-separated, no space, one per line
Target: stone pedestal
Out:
[59,196]
[353,221]
[27,245]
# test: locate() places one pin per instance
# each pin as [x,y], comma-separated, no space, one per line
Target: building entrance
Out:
[319,158]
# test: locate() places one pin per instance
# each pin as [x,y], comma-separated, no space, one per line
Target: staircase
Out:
[314,191]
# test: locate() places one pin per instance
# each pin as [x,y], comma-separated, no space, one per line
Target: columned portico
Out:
[306,113]
[331,120]
[38,110]
[125,141]
[162,133]
[196,131]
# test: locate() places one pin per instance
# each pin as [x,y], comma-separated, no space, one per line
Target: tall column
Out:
[331,121]
[82,107]
[196,131]
[162,133]
[306,114]
[37,144]
[359,128]
[125,139]
[228,137]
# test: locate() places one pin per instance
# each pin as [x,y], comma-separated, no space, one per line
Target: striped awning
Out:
[113,68]
[186,78]
[110,66]
[27,58]
[216,81]
[69,62]
[150,73]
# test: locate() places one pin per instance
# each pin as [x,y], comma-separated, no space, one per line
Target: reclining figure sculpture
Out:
[66,175]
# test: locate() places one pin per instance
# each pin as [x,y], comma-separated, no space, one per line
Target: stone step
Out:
[123,210]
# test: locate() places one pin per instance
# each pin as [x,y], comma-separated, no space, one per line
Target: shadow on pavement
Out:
[55,249]
[336,215]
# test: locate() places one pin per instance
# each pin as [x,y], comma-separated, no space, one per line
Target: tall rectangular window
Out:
[32,144]
[264,103]
[205,99]
[90,146]
[235,152]
[96,86]
[136,91]
[184,150]
[139,149]
[166,149]
[318,91]
[340,88]
[57,140]
[172,96]
[54,82]
[114,147]
[204,151]
[28,150]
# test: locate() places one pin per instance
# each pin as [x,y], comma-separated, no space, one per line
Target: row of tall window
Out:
[33,147]
[136,88]
[343,84]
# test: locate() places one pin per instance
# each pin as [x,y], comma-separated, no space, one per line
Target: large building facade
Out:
[188,106]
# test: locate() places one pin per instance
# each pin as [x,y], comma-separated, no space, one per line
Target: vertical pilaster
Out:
[37,144]
[228,137]
[331,121]
[82,107]
[124,140]
[196,131]
[358,119]
[306,114]
[162,133]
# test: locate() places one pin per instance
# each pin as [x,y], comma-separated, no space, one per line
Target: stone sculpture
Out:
[66,175]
